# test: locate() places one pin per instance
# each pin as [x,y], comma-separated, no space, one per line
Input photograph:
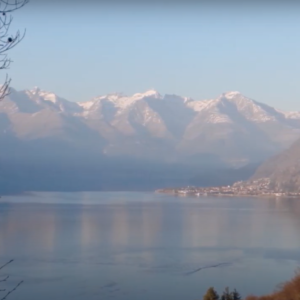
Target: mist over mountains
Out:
[158,137]
[283,169]
[231,128]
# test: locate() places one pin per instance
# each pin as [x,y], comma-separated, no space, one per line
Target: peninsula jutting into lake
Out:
[260,187]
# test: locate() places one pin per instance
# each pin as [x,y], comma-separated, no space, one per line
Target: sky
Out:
[81,49]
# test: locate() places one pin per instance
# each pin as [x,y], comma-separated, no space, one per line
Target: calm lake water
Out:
[144,246]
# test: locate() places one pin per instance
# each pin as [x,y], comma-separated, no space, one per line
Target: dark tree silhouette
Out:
[236,295]
[7,40]
[227,295]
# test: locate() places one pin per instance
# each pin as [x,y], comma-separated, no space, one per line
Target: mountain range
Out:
[231,129]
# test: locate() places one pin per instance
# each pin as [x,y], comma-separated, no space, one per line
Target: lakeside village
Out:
[260,187]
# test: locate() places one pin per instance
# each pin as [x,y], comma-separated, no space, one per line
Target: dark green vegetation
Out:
[289,290]
[212,294]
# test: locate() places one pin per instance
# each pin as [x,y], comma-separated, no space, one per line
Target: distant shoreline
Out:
[228,195]
[24,193]
[173,192]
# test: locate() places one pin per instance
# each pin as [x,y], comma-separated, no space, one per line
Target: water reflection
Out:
[88,228]
[151,224]
[24,226]
[142,225]
[286,225]
[147,239]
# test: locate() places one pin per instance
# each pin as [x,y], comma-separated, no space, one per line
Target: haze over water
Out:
[145,246]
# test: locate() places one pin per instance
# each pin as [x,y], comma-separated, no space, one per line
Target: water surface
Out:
[144,246]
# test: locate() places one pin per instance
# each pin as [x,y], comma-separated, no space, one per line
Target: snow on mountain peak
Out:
[235,97]
[250,109]
[49,96]
[293,115]
[35,89]
[44,94]
[232,94]
[111,96]
[52,101]
[119,100]
[149,93]
[219,109]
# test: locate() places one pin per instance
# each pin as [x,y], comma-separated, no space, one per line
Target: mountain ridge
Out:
[233,128]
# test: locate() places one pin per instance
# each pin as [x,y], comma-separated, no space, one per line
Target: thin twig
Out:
[7,41]
[15,5]
[6,264]
[11,291]
[5,279]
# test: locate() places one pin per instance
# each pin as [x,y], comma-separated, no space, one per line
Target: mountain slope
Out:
[230,129]
[241,128]
[283,169]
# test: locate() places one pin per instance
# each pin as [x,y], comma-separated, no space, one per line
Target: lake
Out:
[145,246]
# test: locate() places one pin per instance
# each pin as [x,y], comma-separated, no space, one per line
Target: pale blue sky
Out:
[192,50]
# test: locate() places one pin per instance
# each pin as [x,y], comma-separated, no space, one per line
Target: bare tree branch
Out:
[5,279]
[7,41]
[10,6]
[11,291]
[6,264]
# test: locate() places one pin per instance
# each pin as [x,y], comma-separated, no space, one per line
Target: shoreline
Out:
[174,193]
[229,195]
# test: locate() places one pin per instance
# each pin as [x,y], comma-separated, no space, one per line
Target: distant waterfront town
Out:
[260,187]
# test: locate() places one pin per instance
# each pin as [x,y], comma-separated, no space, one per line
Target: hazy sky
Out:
[82,50]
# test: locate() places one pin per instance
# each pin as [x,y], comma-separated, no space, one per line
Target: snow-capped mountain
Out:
[230,128]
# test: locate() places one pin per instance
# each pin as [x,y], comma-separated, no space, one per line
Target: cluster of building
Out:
[259,187]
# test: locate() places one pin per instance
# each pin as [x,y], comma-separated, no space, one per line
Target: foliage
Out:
[227,295]
[236,295]
[289,290]
[211,294]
